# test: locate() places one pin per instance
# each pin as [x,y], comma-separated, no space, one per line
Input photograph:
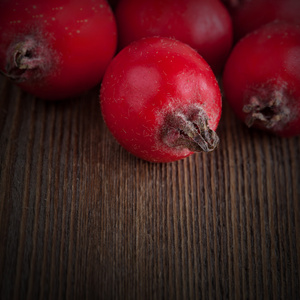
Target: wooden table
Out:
[80,218]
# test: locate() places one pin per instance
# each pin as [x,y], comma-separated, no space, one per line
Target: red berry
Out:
[161,100]
[248,15]
[261,79]
[56,49]
[205,25]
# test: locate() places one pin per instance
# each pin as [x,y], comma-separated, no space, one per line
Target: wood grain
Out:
[80,218]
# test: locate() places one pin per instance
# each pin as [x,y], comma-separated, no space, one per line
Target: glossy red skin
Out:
[81,37]
[267,59]
[205,25]
[249,15]
[147,80]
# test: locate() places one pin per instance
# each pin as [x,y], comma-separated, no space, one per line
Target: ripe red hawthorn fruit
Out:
[160,100]
[261,79]
[248,15]
[56,49]
[205,25]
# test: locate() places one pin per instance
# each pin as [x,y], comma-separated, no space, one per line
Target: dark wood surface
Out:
[80,218]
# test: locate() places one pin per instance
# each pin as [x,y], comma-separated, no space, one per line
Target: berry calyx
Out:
[189,131]
[25,56]
[268,111]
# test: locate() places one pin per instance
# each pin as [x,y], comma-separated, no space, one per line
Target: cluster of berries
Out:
[158,64]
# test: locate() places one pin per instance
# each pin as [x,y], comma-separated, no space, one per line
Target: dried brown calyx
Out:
[269,113]
[189,130]
[27,59]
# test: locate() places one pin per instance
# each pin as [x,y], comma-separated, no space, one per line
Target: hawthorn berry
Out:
[205,25]
[56,49]
[261,79]
[161,100]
